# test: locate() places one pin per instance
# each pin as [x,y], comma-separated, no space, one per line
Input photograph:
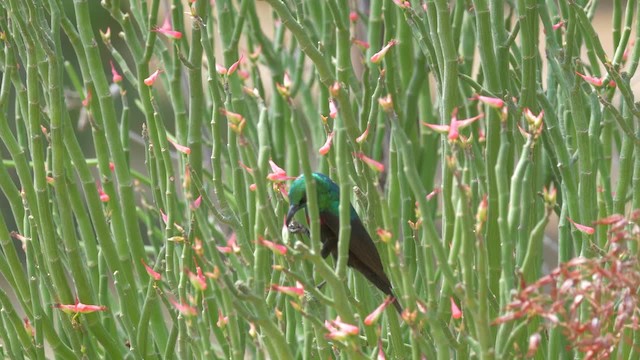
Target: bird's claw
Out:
[296,228]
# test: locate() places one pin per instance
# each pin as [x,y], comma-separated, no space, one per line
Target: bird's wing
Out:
[361,246]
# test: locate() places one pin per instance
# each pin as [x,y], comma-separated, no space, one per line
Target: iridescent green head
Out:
[328,194]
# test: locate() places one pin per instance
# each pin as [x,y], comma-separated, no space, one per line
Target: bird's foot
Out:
[321,284]
[297,228]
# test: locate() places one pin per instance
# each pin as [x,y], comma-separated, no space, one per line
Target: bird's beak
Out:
[293,209]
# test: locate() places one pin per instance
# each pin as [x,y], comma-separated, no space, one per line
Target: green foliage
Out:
[185,256]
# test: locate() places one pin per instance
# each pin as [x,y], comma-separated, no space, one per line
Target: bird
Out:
[363,254]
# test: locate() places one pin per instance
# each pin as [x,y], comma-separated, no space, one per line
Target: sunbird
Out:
[363,255]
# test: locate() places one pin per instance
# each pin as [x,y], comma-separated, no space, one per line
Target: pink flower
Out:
[609,220]
[27,326]
[455,125]
[333,110]
[534,120]
[597,82]
[375,315]
[278,248]
[384,235]
[104,197]
[185,309]
[106,35]
[361,44]
[87,99]
[433,193]
[625,55]
[221,69]
[442,129]
[222,320]
[334,89]
[152,78]
[197,280]
[196,202]
[353,16]
[231,116]
[231,247]
[79,308]
[245,167]
[422,307]
[235,65]
[236,121]
[558,25]
[254,55]
[377,57]
[168,31]
[534,344]
[456,313]
[164,216]
[402,4]
[277,173]
[339,330]
[360,139]
[115,76]
[244,74]
[286,80]
[386,103]
[582,228]
[183,149]
[495,103]
[155,275]
[381,355]
[373,164]
[327,145]
[296,291]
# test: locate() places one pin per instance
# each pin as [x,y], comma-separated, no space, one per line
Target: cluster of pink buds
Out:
[593,300]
